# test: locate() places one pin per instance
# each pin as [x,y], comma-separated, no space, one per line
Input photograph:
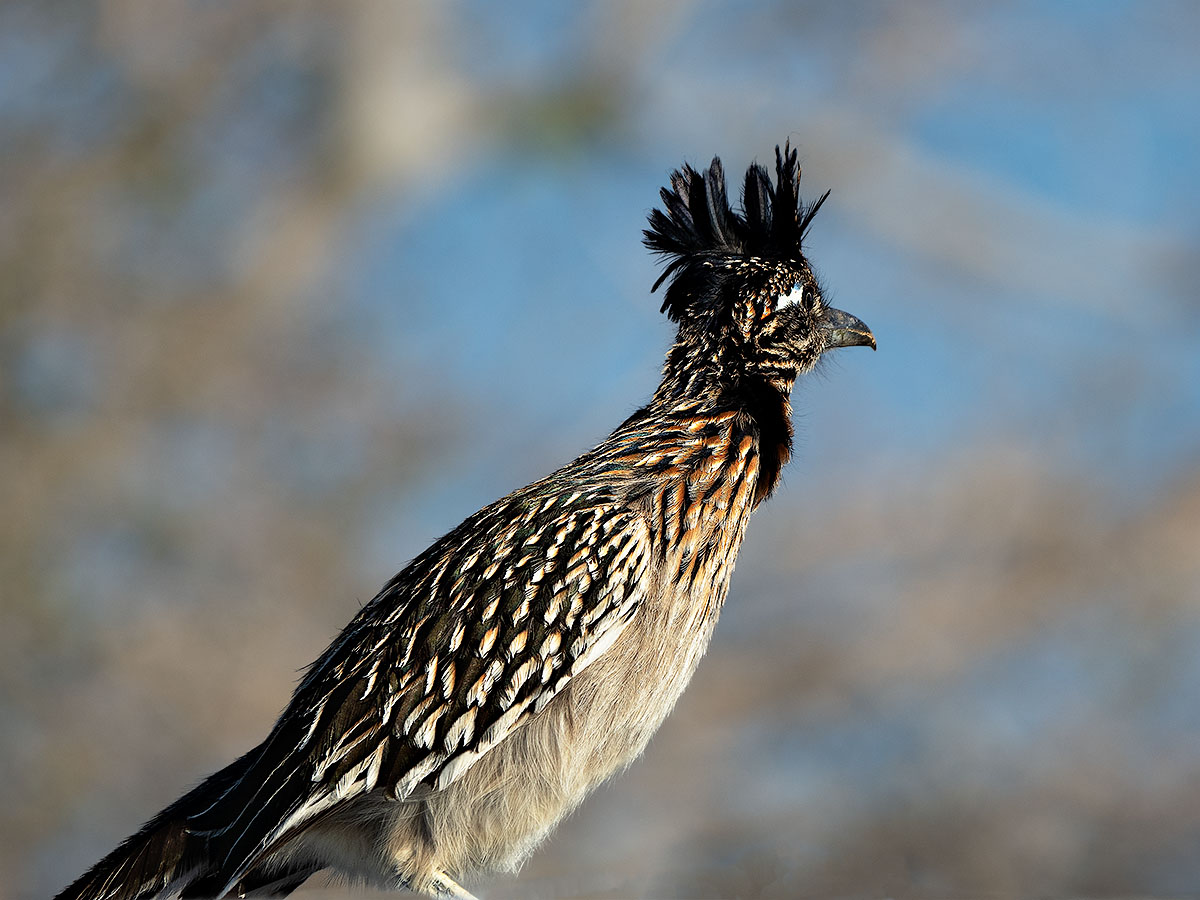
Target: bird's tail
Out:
[162,856]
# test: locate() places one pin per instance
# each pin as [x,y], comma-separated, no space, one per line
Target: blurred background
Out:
[287,289]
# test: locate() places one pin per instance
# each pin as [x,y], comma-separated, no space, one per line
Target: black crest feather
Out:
[697,228]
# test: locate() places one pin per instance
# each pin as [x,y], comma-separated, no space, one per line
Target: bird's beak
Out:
[844,330]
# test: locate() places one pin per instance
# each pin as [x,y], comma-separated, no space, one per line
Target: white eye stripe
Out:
[794,296]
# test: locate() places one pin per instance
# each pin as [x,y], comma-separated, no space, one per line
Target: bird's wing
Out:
[462,647]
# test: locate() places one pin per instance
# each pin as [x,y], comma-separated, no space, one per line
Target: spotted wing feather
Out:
[457,651]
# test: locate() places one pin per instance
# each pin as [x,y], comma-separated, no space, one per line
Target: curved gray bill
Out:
[844,330]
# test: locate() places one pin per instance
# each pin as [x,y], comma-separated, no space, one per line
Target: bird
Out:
[531,653]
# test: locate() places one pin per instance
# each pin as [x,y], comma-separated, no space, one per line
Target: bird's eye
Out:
[794,296]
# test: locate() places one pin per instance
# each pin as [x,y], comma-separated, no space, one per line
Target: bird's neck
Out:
[712,384]
[698,462]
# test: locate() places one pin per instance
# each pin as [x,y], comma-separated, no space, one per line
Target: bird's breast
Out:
[700,520]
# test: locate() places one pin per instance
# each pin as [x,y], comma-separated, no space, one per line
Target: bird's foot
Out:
[440,887]
[446,888]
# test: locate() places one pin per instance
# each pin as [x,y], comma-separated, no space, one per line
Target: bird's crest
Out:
[699,231]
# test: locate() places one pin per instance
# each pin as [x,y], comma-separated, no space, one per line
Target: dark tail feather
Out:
[163,854]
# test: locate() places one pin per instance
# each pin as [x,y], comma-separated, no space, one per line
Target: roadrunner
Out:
[531,652]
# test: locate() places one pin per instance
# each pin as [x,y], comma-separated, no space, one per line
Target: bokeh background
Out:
[289,288]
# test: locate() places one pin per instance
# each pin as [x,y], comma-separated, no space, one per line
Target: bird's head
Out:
[738,284]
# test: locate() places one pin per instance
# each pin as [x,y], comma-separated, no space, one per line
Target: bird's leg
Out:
[446,888]
[440,887]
